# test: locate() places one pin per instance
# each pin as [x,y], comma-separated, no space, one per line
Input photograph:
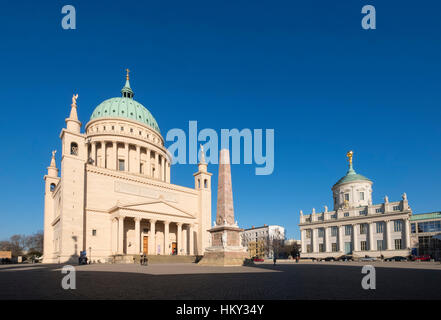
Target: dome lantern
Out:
[126,91]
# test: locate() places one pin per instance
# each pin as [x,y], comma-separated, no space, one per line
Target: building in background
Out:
[425,234]
[263,241]
[356,226]
[114,197]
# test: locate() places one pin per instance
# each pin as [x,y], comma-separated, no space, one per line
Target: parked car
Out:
[345,258]
[367,258]
[396,258]
[424,257]
[329,259]
[258,260]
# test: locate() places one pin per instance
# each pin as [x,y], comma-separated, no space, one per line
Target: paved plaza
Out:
[315,280]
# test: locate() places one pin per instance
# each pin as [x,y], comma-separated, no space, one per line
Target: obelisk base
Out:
[226,249]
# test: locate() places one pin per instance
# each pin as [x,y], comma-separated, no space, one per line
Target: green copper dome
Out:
[125,107]
[350,176]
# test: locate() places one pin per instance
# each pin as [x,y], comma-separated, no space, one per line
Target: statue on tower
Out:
[74,99]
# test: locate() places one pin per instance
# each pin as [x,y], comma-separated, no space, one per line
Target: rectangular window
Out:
[94,232]
[380,245]
[321,247]
[321,233]
[334,247]
[348,230]
[398,225]
[361,195]
[413,228]
[380,227]
[334,231]
[363,213]
[308,234]
[141,168]
[308,248]
[363,228]
[121,165]
[363,245]
[346,214]
[378,210]
[397,244]
[396,208]
[347,196]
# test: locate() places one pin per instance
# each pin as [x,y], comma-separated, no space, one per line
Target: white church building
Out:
[114,195]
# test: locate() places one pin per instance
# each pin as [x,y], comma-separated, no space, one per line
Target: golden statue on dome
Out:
[350,154]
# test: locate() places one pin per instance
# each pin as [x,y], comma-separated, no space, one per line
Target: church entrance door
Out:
[145,245]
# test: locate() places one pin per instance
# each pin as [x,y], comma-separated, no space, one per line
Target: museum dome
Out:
[351,175]
[125,107]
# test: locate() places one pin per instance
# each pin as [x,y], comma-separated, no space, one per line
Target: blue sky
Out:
[304,68]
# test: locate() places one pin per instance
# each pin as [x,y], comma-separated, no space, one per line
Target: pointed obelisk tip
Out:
[224,156]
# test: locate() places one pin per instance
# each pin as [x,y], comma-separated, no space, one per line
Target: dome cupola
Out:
[352,190]
[125,107]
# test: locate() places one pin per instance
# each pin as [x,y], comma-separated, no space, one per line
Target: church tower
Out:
[51,181]
[202,182]
[74,157]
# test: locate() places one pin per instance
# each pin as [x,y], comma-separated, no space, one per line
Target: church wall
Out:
[101,243]
[101,194]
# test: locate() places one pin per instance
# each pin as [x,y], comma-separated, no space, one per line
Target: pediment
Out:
[160,207]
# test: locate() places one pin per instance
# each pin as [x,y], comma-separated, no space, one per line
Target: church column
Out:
[137,235]
[121,235]
[127,157]
[162,169]
[156,165]
[355,237]
[103,154]
[115,155]
[114,236]
[179,237]
[341,245]
[166,238]
[191,239]
[148,169]
[388,235]
[138,162]
[372,245]
[152,238]
[93,153]
[168,172]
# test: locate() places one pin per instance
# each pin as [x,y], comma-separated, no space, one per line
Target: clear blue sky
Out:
[304,68]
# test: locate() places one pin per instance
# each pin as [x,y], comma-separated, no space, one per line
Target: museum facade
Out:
[356,226]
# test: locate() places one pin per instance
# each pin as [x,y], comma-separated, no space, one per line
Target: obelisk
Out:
[226,248]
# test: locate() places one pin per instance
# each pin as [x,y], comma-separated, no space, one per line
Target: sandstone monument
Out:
[226,248]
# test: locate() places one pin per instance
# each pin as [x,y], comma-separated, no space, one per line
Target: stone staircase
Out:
[154,259]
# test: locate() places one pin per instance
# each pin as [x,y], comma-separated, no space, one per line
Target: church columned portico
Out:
[132,231]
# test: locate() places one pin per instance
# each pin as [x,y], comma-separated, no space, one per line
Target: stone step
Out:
[129,258]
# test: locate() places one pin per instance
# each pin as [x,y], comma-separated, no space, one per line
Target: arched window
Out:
[74,148]
[205,183]
[199,183]
[52,187]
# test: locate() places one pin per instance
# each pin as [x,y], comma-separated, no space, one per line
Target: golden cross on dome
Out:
[127,76]
[350,154]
